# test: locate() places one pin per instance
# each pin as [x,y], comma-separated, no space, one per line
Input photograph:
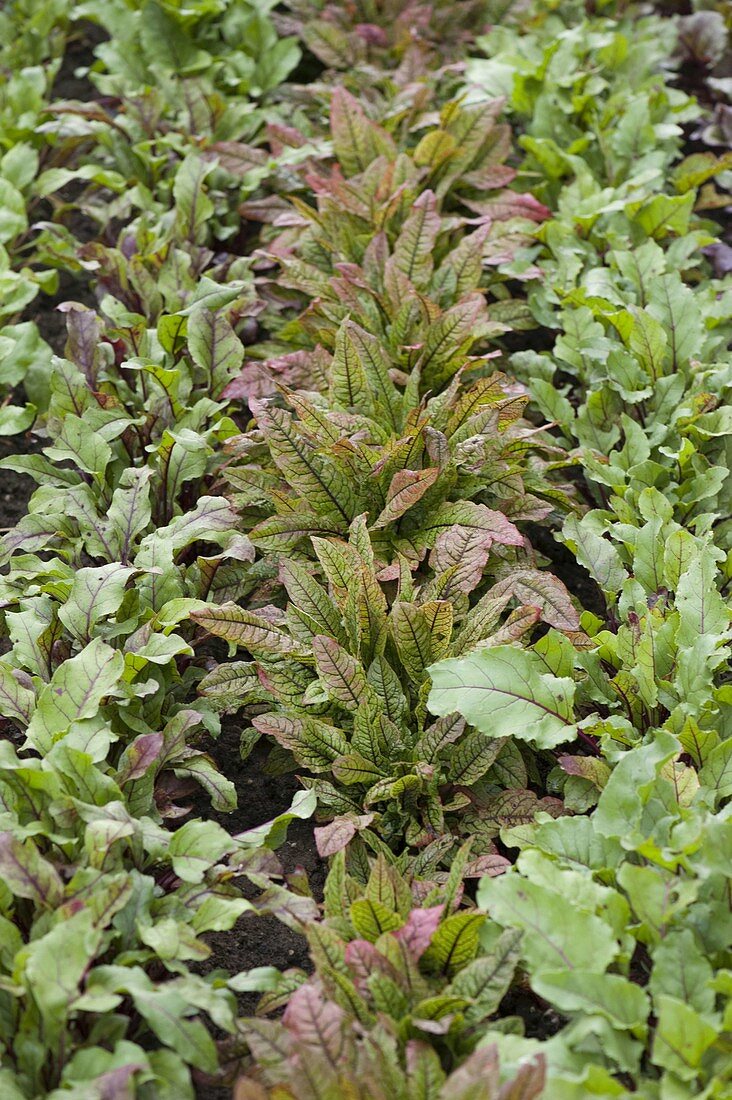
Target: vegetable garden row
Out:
[390,429]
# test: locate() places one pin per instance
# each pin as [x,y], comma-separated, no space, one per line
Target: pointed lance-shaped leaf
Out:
[534,588]
[342,675]
[214,347]
[415,244]
[357,141]
[406,488]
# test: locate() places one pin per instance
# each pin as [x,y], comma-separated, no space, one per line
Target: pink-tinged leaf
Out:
[528,1084]
[510,205]
[437,446]
[588,767]
[490,177]
[465,551]
[407,487]
[279,534]
[372,34]
[269,210]
[115,1084]
[420,927]
[235,624]
[315,744]
[27,874]
[553,806]
[473,517]
[491,864]
[144,751]
[425,1071]
[261,379]
[477,1079]
[518,623]
[331,45]
[247,1089]
[445,731]
[512,807]
[293,910]
[414,247]
[84,337]
[363,959]
[449,335]
[236,157]
[337,834]
[357,141]
[542,590]
[279,134]
[342,674]
[315,1024]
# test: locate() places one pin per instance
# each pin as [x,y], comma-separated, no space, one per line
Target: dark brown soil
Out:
[259,941]
[15,489]
[79,54]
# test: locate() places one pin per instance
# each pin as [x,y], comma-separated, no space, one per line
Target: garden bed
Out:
[365,550]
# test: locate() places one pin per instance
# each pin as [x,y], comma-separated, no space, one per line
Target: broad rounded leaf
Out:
[504,691]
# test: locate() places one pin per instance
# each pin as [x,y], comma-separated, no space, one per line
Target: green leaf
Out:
[505,691]
[682,1037]
[595,553]
[15,419]
[167,45]
[702,611]
[559,935]
[371,919]
[193,206]
[79,443]
[644,336]
[215,347]
[455,943]
[196,846]
[95,594]
[716,774]
[631,783]
[27,873]
[682,970]
[620,1001]
[675,305]
[54,965]
[17,700]
[127,517]
[13,220]
[75,692]
[167,1012]
[272,834]
[486,979]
